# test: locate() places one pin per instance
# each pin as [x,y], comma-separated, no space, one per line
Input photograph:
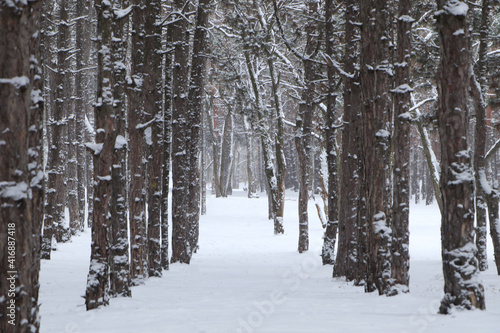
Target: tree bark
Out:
[21,165]
[330,237]
[401,167]
[462,287]
[97,290]
[376,69]
[348,261]
[137,125]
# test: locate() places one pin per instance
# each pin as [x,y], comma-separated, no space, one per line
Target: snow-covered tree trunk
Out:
[376,70]
[478,88]
[330,133]
[153,106]
[119,268]
[195,106]
[401,143]
[137,126]
[97,290]
[304,122]
[226,157]
[82,76]
[167,143]
[347,259]
[21,166]
[56,195]
[463,288]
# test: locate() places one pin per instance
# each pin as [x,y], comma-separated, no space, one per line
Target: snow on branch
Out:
[336,65]
[17,81]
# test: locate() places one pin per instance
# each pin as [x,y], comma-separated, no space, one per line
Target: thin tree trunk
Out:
[462,286]
[401,168]
[330,238]
[153,105]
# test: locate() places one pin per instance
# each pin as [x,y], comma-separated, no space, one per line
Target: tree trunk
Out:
[375,72]
[153,105]
[167,143]
[119,268]
[332,223]
[96,293]
[21,166]
[479,87]
[401,167]
[462,287]
[137,125]
[348,259]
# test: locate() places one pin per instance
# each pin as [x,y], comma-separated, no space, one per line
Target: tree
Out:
[330,132]
[97,290]
[349,261]
[401,141]
[21,166]
[376,69]
[460,267]
[137,125]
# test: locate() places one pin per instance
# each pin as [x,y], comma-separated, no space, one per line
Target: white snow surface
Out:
[245,279]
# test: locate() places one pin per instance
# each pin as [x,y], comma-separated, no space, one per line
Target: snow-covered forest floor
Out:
[245,279]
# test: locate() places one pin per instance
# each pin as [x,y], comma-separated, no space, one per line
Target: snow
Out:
[457,8]
[245,279]
[14,191]
[17,81]
[96,147]
[402,89]
[120,142]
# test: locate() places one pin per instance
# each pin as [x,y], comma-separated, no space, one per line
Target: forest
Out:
[123,118]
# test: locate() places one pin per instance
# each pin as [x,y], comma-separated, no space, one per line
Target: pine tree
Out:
[462,287]
[21,166]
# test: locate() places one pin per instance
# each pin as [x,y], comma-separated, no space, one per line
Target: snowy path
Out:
[245,279]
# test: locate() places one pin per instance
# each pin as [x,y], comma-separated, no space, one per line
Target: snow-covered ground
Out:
[245,279]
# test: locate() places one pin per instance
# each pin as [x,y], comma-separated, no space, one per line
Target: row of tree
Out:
[354,102]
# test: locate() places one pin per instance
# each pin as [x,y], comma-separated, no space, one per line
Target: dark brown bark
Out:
[478,89]
[401,167]
[54,223]
[167,143]
[153,105]
[462,286]
[137,125]
[303,126]
[21,166]
[119,268]
[330,133]
[96,293]
[348,258]
[376,118]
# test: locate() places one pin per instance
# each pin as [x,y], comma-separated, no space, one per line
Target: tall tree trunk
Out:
[54,224]
[137,125]
[348,259]
[401,167]
[195,106]
[167,143]
[462,287]
[304,126]
[97,291]
[482,187]
[376,69]
[119,268]
[21,166]
[153,105]
[330,237]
